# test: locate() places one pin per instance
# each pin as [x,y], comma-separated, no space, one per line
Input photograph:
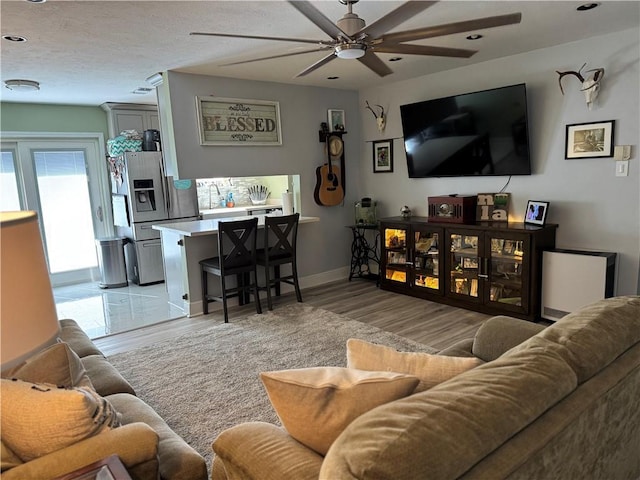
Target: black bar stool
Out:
[285,230]
[236,256]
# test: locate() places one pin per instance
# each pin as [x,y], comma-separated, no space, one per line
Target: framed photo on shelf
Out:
[589,140]
[383,156]
[536,213]
[336,120]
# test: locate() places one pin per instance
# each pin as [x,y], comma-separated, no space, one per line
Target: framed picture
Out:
[589,140]
[336,120]
[536,213]
[232,121]
[383,156]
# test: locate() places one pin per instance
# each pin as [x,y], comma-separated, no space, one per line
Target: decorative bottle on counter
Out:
[230,201]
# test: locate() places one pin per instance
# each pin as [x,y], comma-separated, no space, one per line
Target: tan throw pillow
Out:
[316,404]
[40,418]
[57,364]
[430,369]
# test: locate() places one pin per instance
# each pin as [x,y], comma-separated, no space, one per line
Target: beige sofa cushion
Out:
[57,364]
[177,459]
[106,379]
[40,418]
[430,369]
[444,431]
[597,334]
[71,333]
[316,404]
[499,334]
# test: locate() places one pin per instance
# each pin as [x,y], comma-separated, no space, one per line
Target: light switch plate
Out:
[622,168]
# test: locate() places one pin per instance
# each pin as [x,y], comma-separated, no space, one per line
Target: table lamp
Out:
[28,318]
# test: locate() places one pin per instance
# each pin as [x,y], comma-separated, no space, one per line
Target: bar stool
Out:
[236,256]
[285,230]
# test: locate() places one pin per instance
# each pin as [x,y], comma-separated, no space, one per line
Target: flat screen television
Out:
[479,133]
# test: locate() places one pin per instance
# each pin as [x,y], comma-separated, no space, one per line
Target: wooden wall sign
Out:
[493,207]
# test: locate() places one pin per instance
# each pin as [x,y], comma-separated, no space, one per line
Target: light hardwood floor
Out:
[426,322]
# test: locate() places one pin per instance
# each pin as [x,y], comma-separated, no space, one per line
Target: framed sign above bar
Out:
[232,121]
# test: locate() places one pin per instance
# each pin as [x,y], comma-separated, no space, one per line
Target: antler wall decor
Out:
[590,85]
[380,118]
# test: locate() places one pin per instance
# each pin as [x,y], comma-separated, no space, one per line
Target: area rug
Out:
[204,382]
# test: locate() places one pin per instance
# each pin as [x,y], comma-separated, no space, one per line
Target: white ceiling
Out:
[91,52]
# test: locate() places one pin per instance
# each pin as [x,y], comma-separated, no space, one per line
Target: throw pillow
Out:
[430,369]
[40,418]
[57,364]
[316,404]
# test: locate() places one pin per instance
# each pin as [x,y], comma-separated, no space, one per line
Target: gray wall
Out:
[595,209]
[324,246]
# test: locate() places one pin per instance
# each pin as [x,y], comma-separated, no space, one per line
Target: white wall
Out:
[324,246]
[594,209]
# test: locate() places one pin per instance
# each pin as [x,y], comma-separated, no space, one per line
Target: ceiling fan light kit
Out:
[353,39]
[22,85]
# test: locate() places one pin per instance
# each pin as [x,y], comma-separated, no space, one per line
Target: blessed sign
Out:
[232,121]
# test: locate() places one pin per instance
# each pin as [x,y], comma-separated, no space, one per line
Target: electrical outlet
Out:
[622,168]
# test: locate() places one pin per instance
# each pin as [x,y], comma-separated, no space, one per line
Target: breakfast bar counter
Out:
[184,244]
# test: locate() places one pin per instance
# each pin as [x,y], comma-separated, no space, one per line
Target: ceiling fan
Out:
[352,39]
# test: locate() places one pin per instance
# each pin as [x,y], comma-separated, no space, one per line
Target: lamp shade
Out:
[28,318]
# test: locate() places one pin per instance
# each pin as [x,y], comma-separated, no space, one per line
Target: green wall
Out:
[23,117]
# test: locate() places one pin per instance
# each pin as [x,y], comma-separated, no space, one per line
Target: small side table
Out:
[363,251]
[110,468]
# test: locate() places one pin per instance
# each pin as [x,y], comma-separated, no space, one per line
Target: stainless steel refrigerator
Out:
[143,196]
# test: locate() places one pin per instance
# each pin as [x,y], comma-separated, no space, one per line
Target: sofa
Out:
[559,402]
[147,447]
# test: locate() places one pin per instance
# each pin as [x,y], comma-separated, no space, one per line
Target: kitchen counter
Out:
[239,210]
[184,244]
[196,228]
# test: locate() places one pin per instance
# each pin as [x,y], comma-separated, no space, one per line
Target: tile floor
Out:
[101,312]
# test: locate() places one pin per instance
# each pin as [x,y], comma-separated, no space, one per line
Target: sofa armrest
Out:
[501,333]
[259,450]
[136,444]
[462,348]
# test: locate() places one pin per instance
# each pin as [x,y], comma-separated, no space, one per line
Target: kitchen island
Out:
[184,244]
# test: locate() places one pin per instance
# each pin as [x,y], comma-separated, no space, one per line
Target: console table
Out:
[363,251]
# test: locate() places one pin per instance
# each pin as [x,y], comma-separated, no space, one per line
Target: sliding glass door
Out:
[60,179]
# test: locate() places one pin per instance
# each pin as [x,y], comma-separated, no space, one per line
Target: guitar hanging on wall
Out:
[329,189]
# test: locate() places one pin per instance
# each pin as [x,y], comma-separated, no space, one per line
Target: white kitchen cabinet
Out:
[131,116]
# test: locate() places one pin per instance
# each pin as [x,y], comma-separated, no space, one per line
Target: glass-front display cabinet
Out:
[395,255]
[464,265]
[426,259]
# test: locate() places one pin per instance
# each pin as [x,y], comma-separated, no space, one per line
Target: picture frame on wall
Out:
[536,213]
[383,156]
[336,119]
[234,121]
[589,140]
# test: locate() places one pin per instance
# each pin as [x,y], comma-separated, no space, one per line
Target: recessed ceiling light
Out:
[142,90]
[587,6]
[22,85]
[332,78]
[14,38]
[395,59]
[475,36]
[36,1]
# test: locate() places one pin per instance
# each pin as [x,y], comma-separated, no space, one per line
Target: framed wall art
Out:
[233,121]
[536,213]
[589,140]
[336,120]
[383,156]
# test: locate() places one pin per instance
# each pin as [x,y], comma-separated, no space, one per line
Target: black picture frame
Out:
[589,140]
[383,156]
[536,212]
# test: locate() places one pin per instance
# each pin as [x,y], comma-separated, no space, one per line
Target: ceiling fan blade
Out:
[396,17]
[372,61]
[404,48]
[317,17]
[317,65]
[273,56]
[450,28]
[259,37]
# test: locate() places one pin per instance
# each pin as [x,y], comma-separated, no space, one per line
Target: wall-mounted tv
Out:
[479,133]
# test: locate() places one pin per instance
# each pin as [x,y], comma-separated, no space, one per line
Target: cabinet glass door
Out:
[464,264]
[506,284]
[395,248]
[426,261]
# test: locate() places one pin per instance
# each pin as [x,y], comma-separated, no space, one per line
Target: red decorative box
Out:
[453,209]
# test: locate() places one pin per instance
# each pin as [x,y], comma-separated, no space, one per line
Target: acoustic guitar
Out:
[329,191]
